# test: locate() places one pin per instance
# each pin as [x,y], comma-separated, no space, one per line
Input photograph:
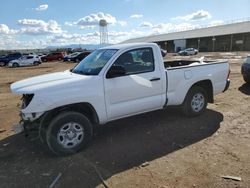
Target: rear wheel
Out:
[44,60]
[68,133]
[15,65]
[59,59]
[195,102]
[2,64]
[246,79]
[36,63]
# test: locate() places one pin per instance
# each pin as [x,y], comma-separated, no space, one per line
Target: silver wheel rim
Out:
[197,102]
[70,135]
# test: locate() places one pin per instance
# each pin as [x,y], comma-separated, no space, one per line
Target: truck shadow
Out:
[245,88]
[116,147]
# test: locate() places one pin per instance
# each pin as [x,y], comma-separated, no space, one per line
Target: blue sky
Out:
[41,23]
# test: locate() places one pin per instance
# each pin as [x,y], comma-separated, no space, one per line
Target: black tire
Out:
[59,59]
[53,137]
[44,60]
[246,79]
[189,107]
[15,65]
[36,63]
[2,64]
[77,60]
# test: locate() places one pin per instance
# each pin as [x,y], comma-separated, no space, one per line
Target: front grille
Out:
[26,99]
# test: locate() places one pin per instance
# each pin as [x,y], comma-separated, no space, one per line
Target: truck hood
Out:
[48,82]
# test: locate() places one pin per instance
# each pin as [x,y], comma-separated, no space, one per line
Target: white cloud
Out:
[12,42]
[91,38]
[15,43]
[216,22]
[68,24]
[199,15]
[42,7]
[93,20]
[122,23]
[33,26]
[4,29]
[136,16]
[146,25]
[166,27]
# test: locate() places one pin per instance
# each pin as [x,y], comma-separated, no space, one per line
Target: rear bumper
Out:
[227,85]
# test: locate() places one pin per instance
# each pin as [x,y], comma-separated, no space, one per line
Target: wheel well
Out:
[83,108]
[208,87]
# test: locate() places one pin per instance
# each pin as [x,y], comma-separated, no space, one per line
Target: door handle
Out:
[154,79]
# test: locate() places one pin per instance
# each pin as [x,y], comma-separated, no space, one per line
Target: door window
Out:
[136,61]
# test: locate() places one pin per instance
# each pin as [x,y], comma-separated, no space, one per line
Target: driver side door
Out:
[138,90]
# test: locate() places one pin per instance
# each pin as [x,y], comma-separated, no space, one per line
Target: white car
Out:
[112,83]
[188,51]
[68,57]
[28,60]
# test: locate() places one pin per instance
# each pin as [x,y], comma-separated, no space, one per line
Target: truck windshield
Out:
[93,63]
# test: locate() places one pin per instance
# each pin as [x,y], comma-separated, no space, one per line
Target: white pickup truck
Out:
[112,83]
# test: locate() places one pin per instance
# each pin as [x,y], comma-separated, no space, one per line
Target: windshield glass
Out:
[93,63]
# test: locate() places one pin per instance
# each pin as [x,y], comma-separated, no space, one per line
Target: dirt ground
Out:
[159,149]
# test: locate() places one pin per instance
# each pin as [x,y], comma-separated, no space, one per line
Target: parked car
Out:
[53,57]
[245,69]
[25,61]
[69,56]
[188,51]
[112,83]
[41,55]
[4,60]
[79,57]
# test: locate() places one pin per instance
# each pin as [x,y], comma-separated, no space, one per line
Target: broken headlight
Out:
[26,99]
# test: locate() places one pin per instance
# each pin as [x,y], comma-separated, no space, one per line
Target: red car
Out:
[53,56]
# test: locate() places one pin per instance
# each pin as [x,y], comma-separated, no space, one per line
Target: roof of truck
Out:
[128,45]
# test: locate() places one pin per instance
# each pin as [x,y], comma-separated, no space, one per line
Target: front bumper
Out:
[30,129]
[227,85]
[31,116]
[29,126]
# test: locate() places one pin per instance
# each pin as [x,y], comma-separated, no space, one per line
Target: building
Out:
[223,38]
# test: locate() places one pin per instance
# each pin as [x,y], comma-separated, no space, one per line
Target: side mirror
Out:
[116,71]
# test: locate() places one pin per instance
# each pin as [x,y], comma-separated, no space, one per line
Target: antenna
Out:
[103,26]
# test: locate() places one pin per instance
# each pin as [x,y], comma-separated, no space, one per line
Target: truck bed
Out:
[181,63]
[181,74]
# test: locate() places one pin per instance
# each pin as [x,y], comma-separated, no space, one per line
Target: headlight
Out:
[26,99]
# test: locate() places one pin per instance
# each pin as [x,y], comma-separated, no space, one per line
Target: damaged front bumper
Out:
[28,127]
[31,116]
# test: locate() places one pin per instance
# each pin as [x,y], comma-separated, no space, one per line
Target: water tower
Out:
[103,26]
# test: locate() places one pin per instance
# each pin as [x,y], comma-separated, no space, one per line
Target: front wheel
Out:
[195,102]
[68,133]
[246,79]
[15,65]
